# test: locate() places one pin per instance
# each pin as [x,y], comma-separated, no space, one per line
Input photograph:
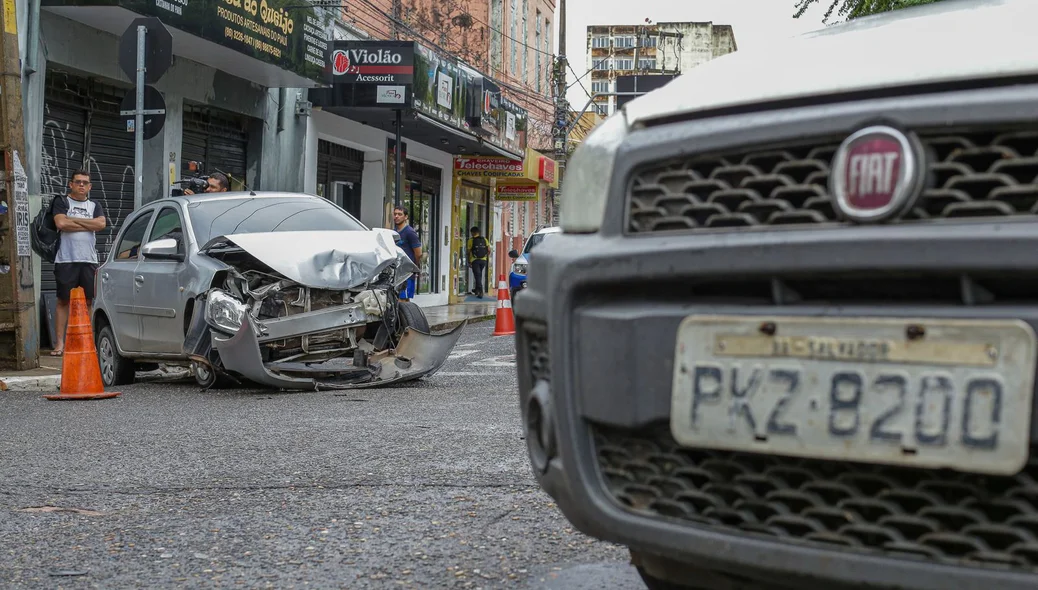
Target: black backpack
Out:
[43,234]
[479,247]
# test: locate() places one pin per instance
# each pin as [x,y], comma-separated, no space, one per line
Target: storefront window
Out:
[474,212]
[421,200]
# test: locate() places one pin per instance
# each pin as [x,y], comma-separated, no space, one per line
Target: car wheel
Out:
[207,378]
[410,315]
[115,368]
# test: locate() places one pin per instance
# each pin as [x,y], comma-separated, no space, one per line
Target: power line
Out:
[578,80]
[447,51]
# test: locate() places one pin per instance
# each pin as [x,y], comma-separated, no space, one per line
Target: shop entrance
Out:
[339,171]
[421,199]
[474,210]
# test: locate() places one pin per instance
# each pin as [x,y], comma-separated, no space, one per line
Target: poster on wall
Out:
[444,91]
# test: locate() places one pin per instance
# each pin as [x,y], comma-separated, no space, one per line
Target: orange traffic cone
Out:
[504,321]
[80,371]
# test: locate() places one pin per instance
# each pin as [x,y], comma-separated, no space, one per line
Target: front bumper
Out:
[516,282]
[595,338]
[416,355]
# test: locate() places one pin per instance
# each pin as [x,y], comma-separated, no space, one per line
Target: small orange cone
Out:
[504,324]
[80,371]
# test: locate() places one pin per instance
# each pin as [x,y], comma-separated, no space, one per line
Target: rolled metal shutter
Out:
[217,138]
[110,155]
[82,129]
[64,141]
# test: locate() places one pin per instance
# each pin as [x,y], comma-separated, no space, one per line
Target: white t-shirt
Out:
[77,246]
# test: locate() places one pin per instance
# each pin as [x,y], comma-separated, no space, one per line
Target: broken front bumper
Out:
[416,355]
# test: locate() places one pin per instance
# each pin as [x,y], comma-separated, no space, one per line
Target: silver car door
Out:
[118,286]
[159,300]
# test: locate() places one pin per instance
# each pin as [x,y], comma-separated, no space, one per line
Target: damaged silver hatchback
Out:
[283,290]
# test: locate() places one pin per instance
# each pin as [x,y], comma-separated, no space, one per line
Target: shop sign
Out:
[511,131]
[484,114]
[284,33]
[382,63]
[517,192]
[546,169]
[442,87]
[488,167]
[368,74]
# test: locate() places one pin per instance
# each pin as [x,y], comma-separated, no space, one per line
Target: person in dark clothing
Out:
[479,252]
[412,246]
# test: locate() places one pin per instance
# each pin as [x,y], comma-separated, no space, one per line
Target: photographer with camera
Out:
[217,183]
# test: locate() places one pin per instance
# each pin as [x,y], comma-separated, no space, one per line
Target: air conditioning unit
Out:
[303,108]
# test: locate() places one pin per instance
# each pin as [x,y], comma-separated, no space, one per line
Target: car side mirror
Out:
[164,249]
[513,254]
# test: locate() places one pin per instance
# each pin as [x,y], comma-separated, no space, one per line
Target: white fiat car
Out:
[786,338]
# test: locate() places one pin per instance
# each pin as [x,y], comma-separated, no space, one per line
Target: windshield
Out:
[535,240]
[210,219]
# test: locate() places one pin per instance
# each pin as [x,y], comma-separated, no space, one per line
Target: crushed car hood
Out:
[323,259]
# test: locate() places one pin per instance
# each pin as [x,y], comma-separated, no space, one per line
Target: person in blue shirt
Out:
[412,246]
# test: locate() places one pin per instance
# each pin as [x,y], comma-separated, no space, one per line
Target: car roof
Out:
[548,230]
[241,195]
[947,41]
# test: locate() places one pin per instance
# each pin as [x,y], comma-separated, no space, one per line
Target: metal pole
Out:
[19,331]
[138,127]
[399,151]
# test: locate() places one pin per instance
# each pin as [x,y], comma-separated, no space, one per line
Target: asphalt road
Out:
[424,486]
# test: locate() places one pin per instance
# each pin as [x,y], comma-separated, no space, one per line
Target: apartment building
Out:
[615,51]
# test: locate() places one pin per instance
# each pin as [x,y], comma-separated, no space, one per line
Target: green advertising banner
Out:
[285,33]
[451,93]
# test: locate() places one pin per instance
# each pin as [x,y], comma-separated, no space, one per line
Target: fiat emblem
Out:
[876,174]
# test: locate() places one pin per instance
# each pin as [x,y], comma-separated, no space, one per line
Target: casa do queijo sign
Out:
[294,38]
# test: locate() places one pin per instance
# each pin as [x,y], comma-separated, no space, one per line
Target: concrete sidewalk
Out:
[47,377]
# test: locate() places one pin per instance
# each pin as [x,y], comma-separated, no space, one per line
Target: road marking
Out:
[465,374]
[507,360]
[457,354]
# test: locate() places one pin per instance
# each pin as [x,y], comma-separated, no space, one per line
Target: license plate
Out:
[913,392]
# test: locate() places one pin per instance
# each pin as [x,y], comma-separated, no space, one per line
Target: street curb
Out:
[51,383]
[454,324]
[31,383]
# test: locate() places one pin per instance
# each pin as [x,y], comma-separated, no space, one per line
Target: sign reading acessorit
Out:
[372,62]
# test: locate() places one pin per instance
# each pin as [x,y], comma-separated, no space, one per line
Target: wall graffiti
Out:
[61,157]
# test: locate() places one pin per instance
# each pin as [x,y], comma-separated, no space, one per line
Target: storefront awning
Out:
[275,47]
[420,128]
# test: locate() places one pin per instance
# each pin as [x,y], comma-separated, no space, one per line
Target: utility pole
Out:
[396,19]
[19,336]
[560,127]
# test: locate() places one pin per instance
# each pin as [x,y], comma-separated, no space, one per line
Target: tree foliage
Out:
[855,8]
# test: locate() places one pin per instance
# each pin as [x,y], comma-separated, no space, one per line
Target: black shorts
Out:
[70,275]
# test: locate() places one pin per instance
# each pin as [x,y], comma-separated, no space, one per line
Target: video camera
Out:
[196,184]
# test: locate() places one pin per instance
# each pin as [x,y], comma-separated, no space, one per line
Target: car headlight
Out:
[586,182]
[224,312]
[519,268]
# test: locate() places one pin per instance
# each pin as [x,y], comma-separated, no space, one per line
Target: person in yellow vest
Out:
[479,251]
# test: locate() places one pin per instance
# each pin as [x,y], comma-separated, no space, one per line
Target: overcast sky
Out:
[755,22]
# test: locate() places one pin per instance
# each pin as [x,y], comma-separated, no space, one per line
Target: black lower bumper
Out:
[595,340]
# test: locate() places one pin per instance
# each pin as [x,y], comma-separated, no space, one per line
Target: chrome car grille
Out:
[973,174]
[938,516]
